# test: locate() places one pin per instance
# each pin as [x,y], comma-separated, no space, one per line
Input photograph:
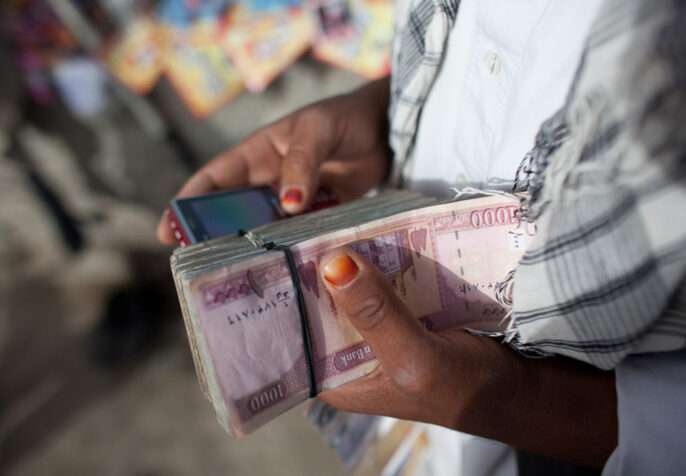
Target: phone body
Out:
[204,217]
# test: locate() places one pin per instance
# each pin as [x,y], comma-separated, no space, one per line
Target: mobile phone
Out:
[203,217]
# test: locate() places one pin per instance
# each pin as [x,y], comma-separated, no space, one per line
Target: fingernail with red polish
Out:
[292,197]
[341,270]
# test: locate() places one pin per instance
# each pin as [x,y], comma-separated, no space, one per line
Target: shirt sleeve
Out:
[651,410]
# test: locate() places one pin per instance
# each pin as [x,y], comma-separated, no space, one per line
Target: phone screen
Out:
[220,214]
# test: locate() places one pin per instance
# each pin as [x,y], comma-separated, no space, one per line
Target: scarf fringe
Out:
[558,150]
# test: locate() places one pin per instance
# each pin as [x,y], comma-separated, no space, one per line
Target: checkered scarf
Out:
[606,183]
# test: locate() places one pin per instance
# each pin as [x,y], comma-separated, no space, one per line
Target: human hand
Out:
[426,376]
[340,141]
[469,383]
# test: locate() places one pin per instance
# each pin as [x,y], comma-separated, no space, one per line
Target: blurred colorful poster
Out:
[38,39]
[135,56]
[81,83]
[198,69]
[264,43]
[355,35]
[184,13]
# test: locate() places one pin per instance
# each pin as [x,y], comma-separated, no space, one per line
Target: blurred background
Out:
[106,107]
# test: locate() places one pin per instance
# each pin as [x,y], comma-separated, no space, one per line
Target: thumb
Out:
[362,293]
[310,144]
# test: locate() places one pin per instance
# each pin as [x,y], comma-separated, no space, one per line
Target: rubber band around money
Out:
[302,310]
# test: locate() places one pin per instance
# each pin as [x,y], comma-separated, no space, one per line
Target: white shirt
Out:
[507,68]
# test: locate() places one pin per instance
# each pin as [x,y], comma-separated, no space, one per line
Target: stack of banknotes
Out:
[239,300]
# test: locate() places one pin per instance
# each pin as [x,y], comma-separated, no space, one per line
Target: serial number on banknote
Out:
[282,299]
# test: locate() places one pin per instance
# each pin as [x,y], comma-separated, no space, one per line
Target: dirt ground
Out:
[77,398]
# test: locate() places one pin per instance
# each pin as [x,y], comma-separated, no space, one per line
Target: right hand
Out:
[555,407]
[340,141]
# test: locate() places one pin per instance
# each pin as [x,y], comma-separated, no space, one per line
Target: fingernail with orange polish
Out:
[293,196]
[341,270]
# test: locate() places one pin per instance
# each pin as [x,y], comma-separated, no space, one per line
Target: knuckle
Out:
[320,117]
[298,160]
[373,309]
[315,114]
[414,379]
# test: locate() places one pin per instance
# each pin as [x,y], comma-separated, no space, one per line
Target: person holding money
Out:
[598,89]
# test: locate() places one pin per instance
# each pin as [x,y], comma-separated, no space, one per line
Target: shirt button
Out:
[493,64]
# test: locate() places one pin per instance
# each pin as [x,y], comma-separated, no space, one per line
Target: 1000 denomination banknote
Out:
[443,261]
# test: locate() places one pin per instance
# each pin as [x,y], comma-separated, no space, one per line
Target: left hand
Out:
[465,382]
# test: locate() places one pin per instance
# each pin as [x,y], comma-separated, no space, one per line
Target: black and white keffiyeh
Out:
[421,32]
[606,183]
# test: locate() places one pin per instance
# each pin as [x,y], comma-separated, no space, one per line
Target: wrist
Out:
[377,94]
[496,390]
[553,407]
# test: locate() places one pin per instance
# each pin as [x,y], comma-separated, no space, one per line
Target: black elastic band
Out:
[302,310]
[307,339]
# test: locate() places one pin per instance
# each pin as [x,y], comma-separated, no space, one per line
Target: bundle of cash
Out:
[238,298]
